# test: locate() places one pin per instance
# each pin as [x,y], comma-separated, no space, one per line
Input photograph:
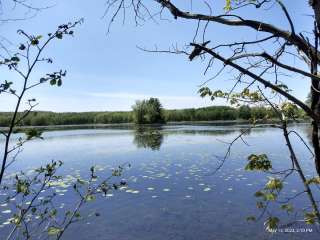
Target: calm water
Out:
[173,190]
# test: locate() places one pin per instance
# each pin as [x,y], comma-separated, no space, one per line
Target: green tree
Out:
[245,112]
[148,111]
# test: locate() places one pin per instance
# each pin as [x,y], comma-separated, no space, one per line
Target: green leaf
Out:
[53,212]
[290,110]
[34,42]
[54,230]
[258,162]
[53,82]
[16,219]
[287,207]
[205,91]
[310,217]
[270,196]
[271,223]
[59,35]
[22,186]
[274,184]
[22,47]
[315,180]
[15,59]
[228,5]
[90,198]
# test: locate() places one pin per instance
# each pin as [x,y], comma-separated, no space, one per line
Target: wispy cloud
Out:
[138,96]
[125,99]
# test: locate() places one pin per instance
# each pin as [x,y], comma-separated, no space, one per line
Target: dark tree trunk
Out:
[315,89]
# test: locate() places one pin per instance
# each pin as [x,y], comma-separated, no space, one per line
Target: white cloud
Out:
[126,100]
[104,101]
[137,96]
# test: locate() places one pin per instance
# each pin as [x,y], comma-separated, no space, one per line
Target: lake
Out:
[174,188]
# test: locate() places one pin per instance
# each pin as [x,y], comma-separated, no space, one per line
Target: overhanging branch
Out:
[259,79]
[297,40]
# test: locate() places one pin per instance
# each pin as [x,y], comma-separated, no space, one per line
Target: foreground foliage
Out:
[34,199]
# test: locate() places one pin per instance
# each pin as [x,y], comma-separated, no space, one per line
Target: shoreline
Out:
[132,125]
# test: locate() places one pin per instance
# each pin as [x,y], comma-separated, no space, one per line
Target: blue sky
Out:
[108,72]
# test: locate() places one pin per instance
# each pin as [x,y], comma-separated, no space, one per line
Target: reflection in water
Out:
[152,137]
[146,137]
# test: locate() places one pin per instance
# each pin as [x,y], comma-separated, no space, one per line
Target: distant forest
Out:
[213,113]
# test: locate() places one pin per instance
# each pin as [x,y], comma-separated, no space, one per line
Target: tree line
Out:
[213,113]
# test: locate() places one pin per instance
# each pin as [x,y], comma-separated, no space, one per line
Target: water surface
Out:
[174,190]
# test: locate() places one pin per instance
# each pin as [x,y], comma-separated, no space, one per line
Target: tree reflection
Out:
[147,137]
